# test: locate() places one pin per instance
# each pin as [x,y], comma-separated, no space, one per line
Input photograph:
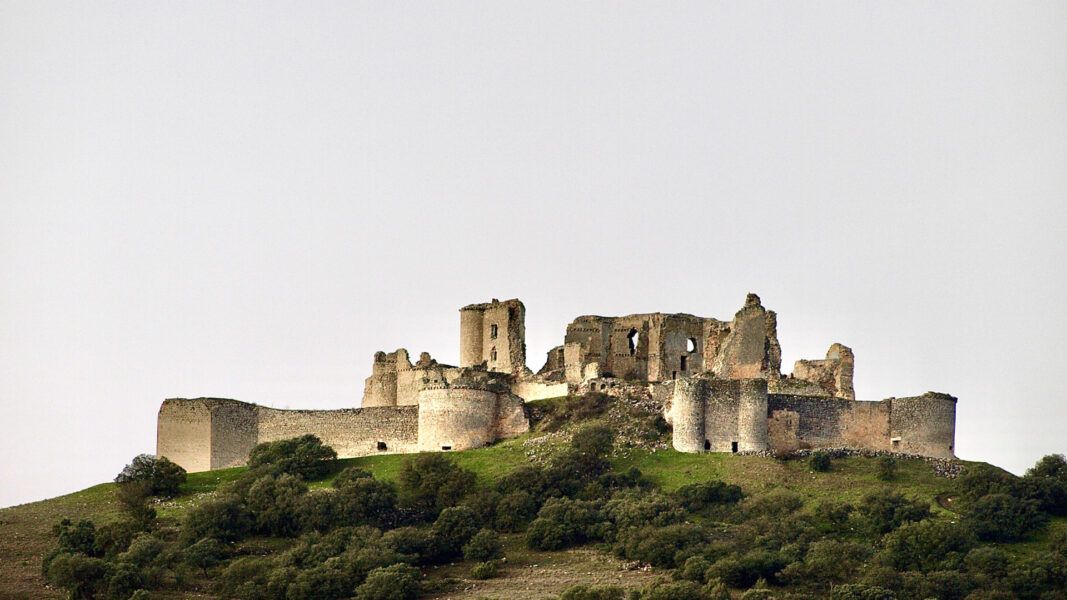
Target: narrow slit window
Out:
[446,447]
[492,331]
[492,355]
[683,362]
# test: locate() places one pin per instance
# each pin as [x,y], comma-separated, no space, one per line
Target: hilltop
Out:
[640,442]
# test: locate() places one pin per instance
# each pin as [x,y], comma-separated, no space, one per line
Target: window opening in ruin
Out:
[633,339]
[691,345]
[674,374]
[446,447]
[492,332]
[896,443]
[492,355]
[733,446]
[603,386]
[382,446]
[683,363]
[707,445]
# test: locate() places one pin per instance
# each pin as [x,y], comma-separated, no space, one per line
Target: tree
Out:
[163,476]
[305,456]
[485,545]
[928,545]
[886,510]
[273,503]
[396,582]
[1004,518]
[429,483]
[133,498]
[224,519]
[454,528]
[204,554]
[83,576]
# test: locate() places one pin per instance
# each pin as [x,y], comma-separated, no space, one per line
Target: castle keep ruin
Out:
[719,383]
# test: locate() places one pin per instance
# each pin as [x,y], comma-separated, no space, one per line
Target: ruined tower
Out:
[493,333]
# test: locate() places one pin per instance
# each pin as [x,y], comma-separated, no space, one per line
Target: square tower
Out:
[493,333]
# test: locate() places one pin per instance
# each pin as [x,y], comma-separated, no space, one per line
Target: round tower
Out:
[470,335]
[752,416]
[453,418]
[687,415]
[924,425]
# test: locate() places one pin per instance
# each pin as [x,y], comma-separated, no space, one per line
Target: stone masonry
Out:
[719,383]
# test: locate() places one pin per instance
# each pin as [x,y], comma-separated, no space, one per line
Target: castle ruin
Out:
[719,384]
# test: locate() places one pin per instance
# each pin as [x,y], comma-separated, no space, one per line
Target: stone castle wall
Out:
[718,415]
[201,434]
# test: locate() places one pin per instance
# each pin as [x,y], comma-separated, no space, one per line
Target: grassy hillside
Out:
[25,530]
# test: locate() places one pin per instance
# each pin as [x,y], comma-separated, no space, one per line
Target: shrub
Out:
[673,590]
[123,581]
[886,510]
[418,544]
[774,504]
[273,502]
[758,593]
[133,499]
[1003,518]
[224,519]
[349,475]
[245,578]
[515,510]
[562,523]
[75,538]
[981,480]
[305,456]
[698,496]
[633,508]
[1046,482]
[744,571]
[831,516]
[430,483]
[829,562]
[988,560]
[114,538]
[454,528]
[366,501]
[716,590]
[1036,575]
[667,546]
[204,554]
[927,546]
[693,569]
[485,545]
[593,592]
[593,440]
[887,468]
[819,462]
[142,551]
[484,570]
[164,478]
[859,591]
[83,576]
[396,582]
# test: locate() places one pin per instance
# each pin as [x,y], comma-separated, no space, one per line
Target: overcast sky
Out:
[247,200]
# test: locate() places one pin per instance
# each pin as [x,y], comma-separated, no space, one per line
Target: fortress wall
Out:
[722,407]
[456,418]
[813,422]
[350,431]
[924,425]
[183,433]
[234,432]
[537,390]
[380,390]
[510,418]
[618,360]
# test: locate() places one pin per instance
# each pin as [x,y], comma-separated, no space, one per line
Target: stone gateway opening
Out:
[707,445]
[733,446]
[382,446]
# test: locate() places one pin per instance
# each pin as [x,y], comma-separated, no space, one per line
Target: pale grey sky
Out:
[248,199]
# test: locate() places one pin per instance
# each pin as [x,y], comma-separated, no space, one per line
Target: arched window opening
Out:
[691,345]
[633,339]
